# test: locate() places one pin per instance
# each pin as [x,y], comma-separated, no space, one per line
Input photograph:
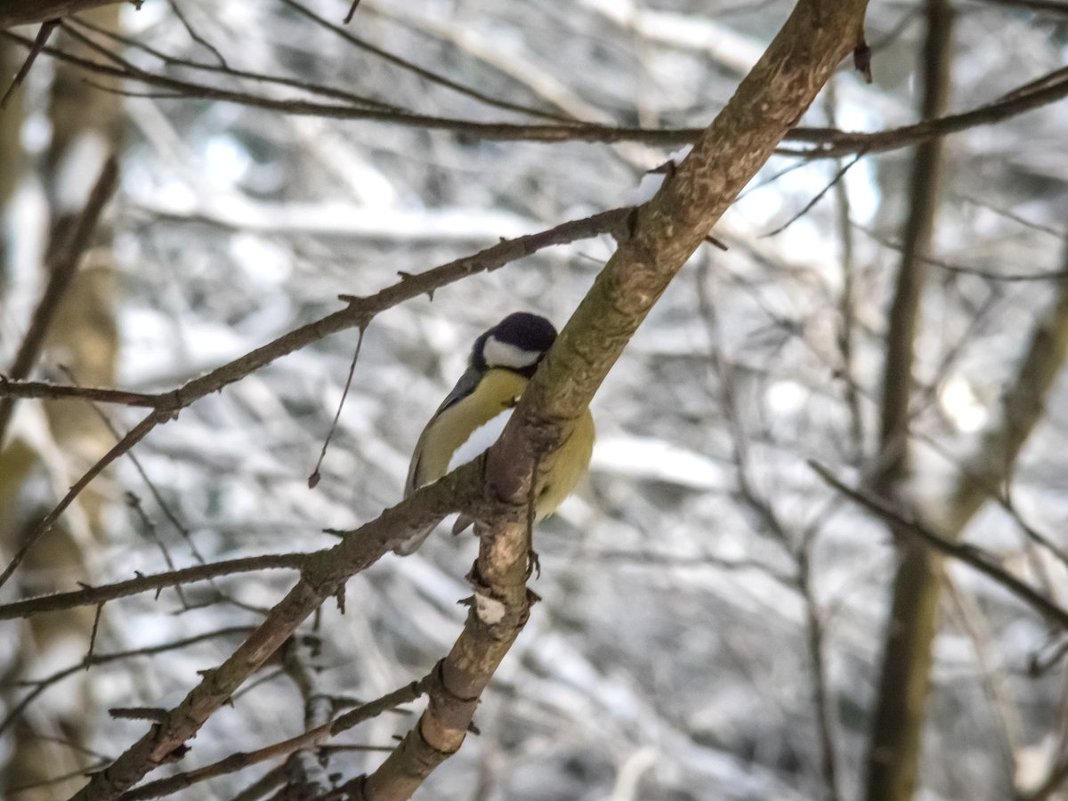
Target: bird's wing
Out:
[464,387]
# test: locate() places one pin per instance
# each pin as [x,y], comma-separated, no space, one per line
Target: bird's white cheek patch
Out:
[501,354]
[480,440]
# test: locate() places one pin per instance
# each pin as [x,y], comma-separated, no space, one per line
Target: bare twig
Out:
[313,479]
[61,271]
[845,330]
[970,555]
[74,25]
[42,39]
[10,388]
[904,673]
[834,182]
[312,738]
[42,684]
[825,143]
[176,9]
[415,69]
[359,312]
[135,586]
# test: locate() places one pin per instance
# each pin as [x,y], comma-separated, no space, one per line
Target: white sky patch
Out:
[655,460]
[263,261]
[864,195]
[961,405]
[786,397]
[226,160]
[480,440]
[148,334]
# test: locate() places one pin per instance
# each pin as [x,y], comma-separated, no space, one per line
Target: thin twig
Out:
[42,39]
[283,748]
[61,272]
[970,555]
[11,388]
[196,37]
[415,69]
[825,142]
[838,176]
[41,685]
[358,313]
[313,479]
[121,589]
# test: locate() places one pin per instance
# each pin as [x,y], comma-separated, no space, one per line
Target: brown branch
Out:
[157,581]
[359,312]
[61,270]
[10,388]
[312,738]
[924,193]
[415,69]
[834,144]
[662,235]
[25,12]
[323,574]
[1022,406]
[665,232]
[827,143]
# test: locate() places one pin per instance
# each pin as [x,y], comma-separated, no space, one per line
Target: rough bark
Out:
[26,12]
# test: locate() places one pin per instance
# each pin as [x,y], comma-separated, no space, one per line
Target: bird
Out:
[472,417]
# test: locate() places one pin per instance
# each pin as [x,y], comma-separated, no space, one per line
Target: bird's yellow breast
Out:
[497,393]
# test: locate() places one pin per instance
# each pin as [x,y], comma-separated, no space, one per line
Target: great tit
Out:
[473,415]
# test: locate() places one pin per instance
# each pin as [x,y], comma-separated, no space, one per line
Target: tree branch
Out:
[157,581]
[61,270]
[25,12]
[968,554]
[323,575]
[665,233]
[359,313]
[826,142]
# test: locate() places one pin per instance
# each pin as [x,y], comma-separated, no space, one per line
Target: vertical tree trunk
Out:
[86,128]
[897,724]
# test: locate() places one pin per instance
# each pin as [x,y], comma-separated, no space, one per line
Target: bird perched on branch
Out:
[473,415]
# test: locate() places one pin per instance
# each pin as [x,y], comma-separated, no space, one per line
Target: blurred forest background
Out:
[717,621]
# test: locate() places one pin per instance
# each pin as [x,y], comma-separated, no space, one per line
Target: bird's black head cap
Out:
[517,343]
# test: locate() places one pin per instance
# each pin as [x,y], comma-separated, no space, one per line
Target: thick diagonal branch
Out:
[665,232]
